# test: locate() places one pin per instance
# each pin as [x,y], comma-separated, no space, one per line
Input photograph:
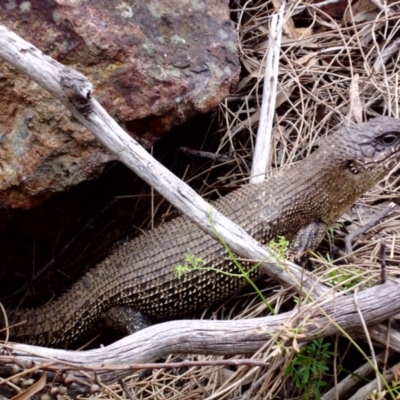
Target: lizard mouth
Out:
[386,160]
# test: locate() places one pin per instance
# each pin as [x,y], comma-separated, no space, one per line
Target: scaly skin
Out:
[300,203]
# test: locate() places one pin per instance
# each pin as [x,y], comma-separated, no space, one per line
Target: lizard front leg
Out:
[307,238]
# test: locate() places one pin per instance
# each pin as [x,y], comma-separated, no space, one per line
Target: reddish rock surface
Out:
[154,64]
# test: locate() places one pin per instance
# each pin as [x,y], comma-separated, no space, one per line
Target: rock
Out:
[153,64]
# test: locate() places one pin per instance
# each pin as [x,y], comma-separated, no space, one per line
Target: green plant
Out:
[394,387]
[347,278]
[309,367]
[281,246]
[193,263]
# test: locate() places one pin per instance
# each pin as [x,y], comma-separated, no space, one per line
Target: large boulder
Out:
[154,64]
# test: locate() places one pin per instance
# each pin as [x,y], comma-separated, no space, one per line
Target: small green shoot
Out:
[347,279]
[280,246]
[192,263]
[394,389]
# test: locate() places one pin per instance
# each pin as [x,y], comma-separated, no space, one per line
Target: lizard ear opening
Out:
[351,166]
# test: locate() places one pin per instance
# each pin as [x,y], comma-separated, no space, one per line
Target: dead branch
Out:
[117,360]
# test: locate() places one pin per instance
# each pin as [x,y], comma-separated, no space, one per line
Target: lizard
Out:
[138,278]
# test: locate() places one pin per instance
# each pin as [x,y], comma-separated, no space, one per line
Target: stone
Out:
[153,63]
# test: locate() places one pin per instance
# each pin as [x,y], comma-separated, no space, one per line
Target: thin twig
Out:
[373,222]
[382,260]
[127,391]
[206,154]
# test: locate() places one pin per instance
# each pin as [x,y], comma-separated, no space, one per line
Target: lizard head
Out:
[353,161]
[371,149]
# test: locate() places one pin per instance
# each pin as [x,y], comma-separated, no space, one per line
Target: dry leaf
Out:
[396,372]
[387,52]
[35,388]
[360,11]
[284,93]
[305,59]
[303,33]
[296,346]
[276,352]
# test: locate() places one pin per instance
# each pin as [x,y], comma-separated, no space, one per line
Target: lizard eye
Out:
[389,138]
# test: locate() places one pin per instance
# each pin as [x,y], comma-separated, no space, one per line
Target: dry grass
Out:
[320,59]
